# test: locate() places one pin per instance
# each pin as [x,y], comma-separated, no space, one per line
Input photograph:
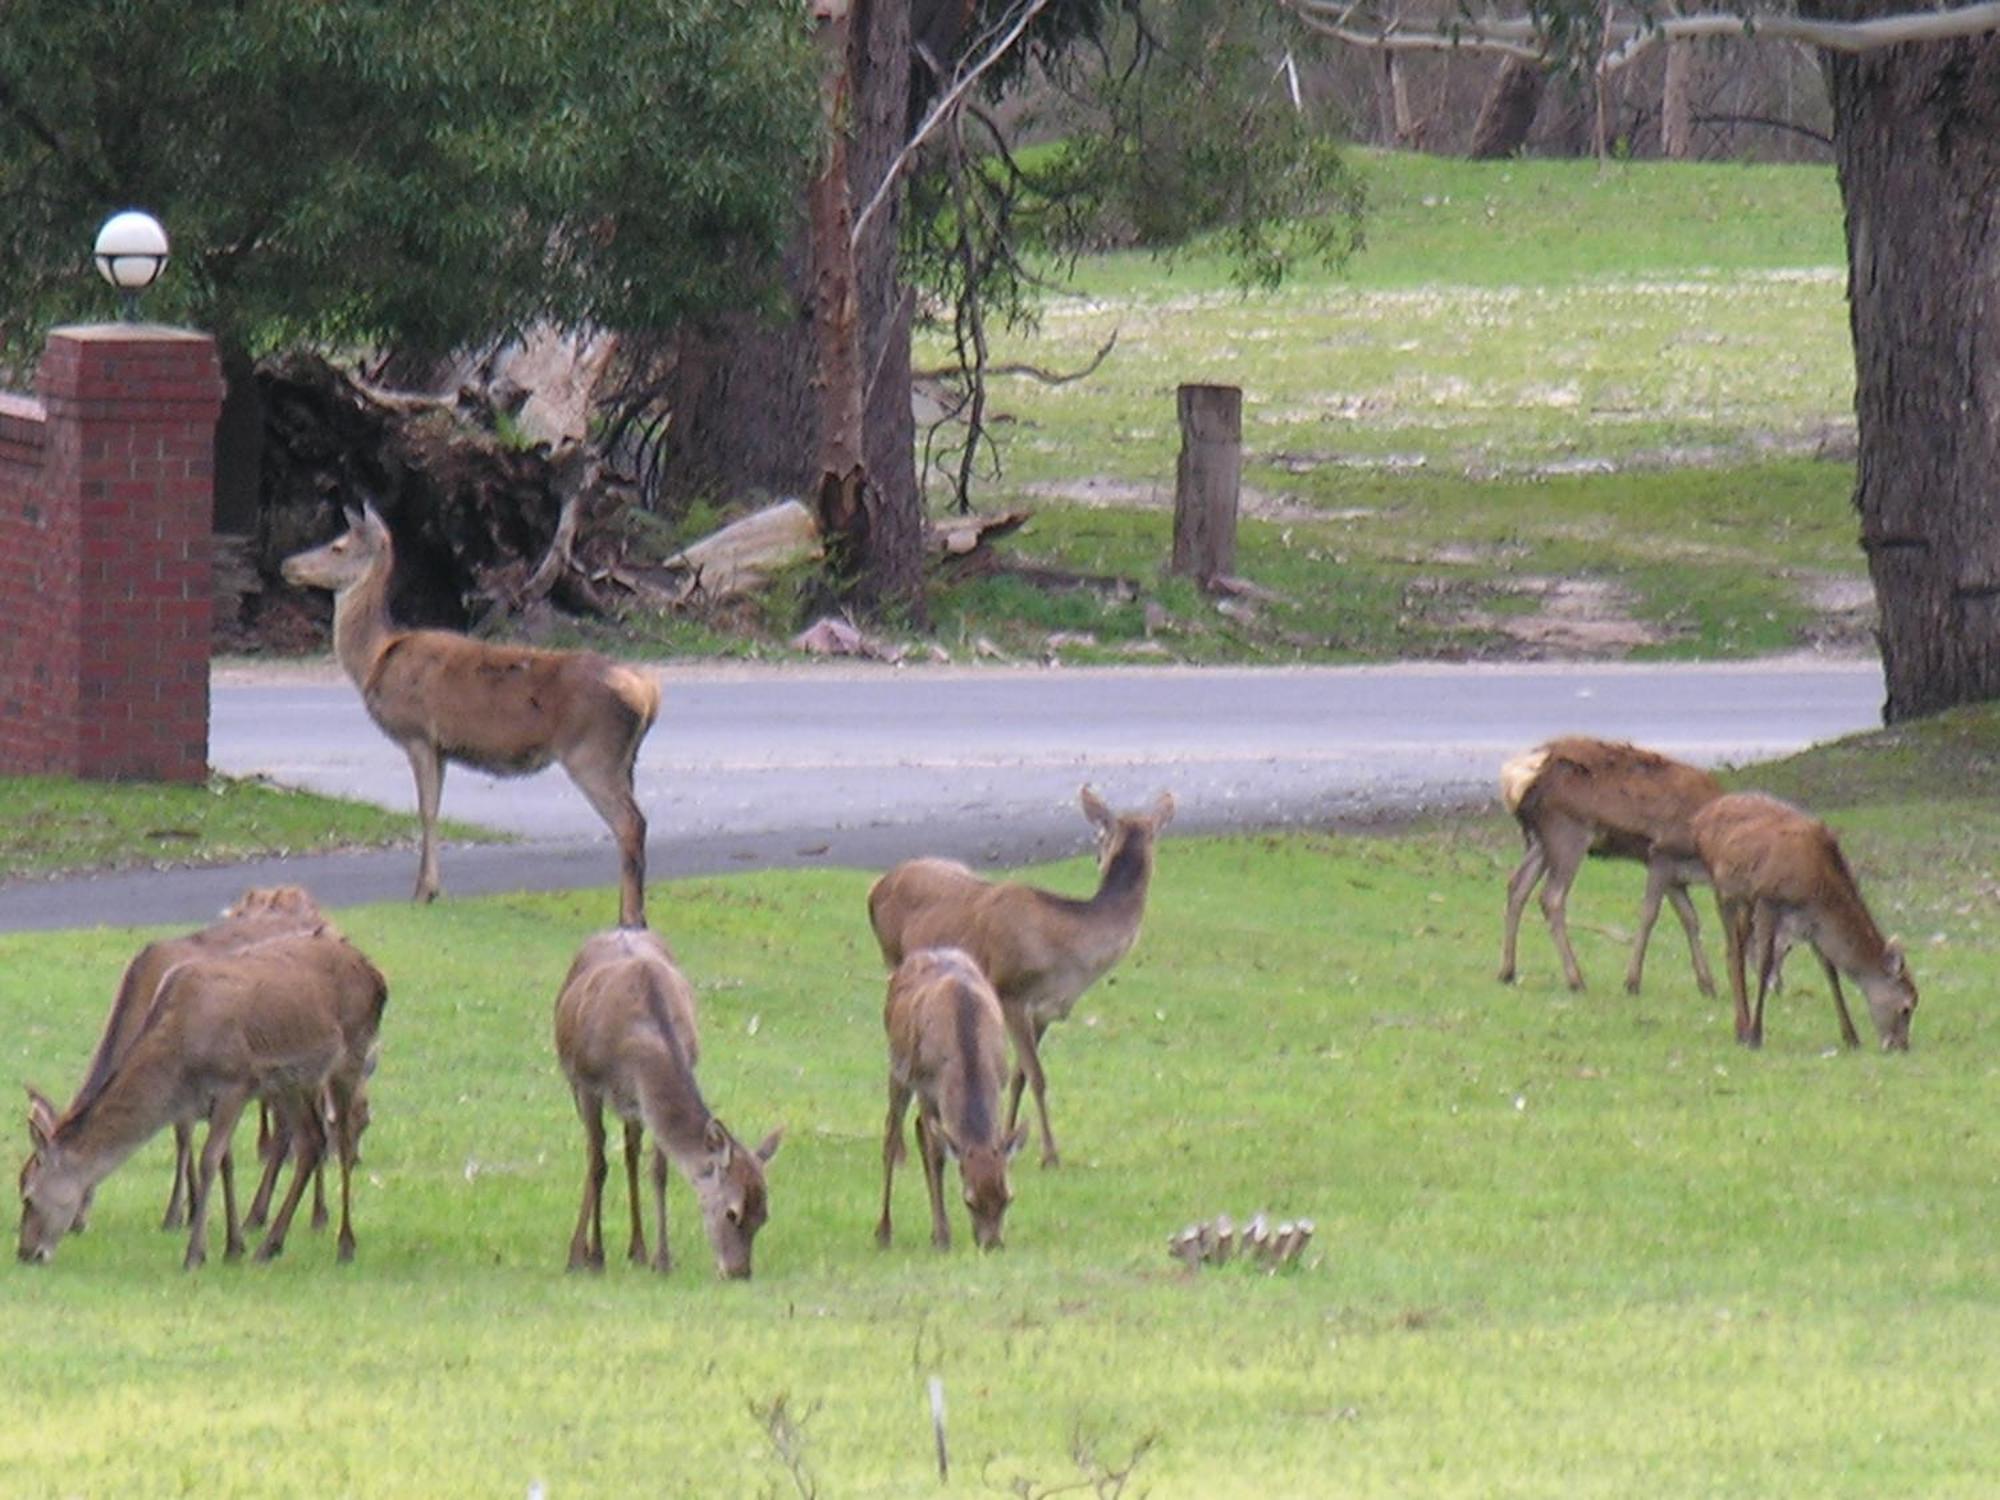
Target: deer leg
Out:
[274,1146]
[931,1150]
[586,1246]
[176,1215]
[1735,916]
[635,1250]
[609,790]
[1691,925]
[346,1137]
[663,1256]
[1028,1063]
[309,1144]
[428,768]
[892,1152]
[1566,844]
[1847,1032]
[1658,880]
[1520,885]
[222,1117]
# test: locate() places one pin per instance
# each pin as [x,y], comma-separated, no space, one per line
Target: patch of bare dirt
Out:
[1099,493]
[1574,617]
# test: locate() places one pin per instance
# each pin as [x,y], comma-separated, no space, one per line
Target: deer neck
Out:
[1849,938]
[122,1118]
[670,1103]
[1121,890]
[361,624]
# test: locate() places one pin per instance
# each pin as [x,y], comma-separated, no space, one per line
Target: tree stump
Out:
[1209,481]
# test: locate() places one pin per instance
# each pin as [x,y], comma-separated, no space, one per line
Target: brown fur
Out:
[289,1021]
[625,1036]
[948,1050]
[509,710]
[1780,878]
[1579,796]
[1040,950]
[256,915]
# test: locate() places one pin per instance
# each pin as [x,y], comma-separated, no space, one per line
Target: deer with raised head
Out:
[259,913]
[1579,796]
[948,1051]
[625,1035]
[1780,878]
[289,1023]
[1039,950]
[507,710]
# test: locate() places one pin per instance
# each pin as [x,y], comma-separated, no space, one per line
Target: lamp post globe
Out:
[131,252]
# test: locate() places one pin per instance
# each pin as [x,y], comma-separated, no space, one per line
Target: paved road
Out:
[844,767]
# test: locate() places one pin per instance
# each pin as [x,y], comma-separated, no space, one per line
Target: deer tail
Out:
[1518,774]
[638,691]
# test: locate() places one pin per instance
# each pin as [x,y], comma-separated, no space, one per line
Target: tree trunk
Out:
[1392,99]
[1677,102]
[746,409]
[1917,143]
[1508,112]
[1209,483]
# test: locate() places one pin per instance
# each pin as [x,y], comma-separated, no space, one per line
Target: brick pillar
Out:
[109,665]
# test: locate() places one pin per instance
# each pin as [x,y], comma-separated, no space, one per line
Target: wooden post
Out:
[1209,481]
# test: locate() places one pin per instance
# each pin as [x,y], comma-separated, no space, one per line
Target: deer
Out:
[948,1050]
[1780,878]
[507,710]
[1039,950]
[1578,796]
[626,1036]
[257,914]
[288,1023]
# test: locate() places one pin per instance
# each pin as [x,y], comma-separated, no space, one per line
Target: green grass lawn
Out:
[1567,1244]
[1621,376]
[51,824]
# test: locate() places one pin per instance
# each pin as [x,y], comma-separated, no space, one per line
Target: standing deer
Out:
[257,914]
[625,1035]
[948,1049]
[507,710]
[287,1027]
[1041,951]
[1579,796]
[1780,878]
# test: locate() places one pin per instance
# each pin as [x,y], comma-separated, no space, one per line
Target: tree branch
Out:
[939,111]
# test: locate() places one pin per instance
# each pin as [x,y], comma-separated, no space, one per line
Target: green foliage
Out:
[1182,127]
[347,171]
[1567,1244]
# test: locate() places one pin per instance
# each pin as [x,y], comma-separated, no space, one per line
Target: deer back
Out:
[1620,789]
[947,1040]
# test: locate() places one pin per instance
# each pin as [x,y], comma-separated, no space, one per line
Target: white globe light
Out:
[131,250]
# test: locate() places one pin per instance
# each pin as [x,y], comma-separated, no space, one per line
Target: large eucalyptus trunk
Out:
[1917,142]
[747,399]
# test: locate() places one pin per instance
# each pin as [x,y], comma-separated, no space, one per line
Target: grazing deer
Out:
[1579,796]
[507,710]
[625,1035]
[948,1049]
[286,1023]
[258,914]
[1780,878]
[1040,950]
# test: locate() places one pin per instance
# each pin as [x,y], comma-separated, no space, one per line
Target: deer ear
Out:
[41,1119]
[713,1136]
[1011,1147]
[353,516]
[944,1138]
[1892,960]
[768,1147]
[1095,809]
[1163,810]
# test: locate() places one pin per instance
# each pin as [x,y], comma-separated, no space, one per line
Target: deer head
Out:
[982,1173]
[729,1185]
[1892,999]
[52,1192]
[1115,832]
[345,560]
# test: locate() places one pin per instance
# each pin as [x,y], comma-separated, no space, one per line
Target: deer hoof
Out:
[346,1252]
[662,1263]
[270,1250]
